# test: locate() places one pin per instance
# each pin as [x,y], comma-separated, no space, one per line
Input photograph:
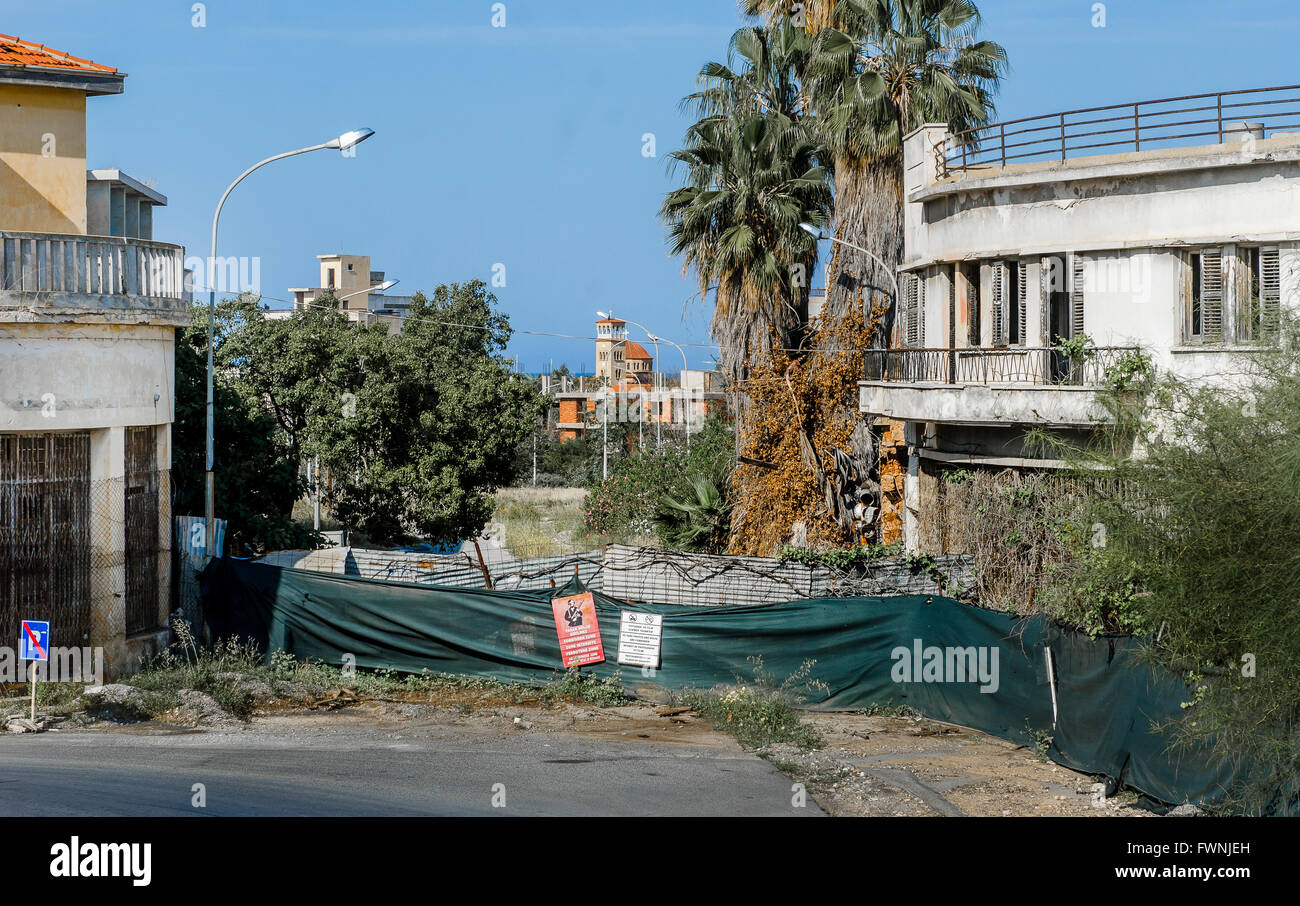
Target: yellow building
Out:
[89,304]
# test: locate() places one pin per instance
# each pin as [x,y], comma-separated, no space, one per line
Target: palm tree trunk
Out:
[868,213]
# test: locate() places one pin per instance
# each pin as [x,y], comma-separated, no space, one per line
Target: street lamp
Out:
[685,367]
[818,233]
[344,142]
[386,285]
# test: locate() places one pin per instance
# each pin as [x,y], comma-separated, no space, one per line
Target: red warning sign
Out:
[575,624]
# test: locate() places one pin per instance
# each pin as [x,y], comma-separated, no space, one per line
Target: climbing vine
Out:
[799,407]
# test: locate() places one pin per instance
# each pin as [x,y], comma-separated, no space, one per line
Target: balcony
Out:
[1036,385]
[1167,123]
[102,277]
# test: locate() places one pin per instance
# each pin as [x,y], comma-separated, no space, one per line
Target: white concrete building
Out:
[1170,226]
[89,304]
[359,291]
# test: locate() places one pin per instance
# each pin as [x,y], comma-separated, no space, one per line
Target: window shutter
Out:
[910,316]
[1022,300]
[1212,295]
[918,314]
[1077,265]
[999,304]
[1270,293]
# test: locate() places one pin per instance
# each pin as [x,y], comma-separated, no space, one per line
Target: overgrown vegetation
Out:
[842,558]
[760,712]
[1197,542]
[541,522]
[631,504]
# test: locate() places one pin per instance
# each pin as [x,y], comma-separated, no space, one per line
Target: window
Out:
[1077,273]
[329,278]
[969,272]
[1205,304]
[911,326]
[1261,312]
[1009,307]
[142,486]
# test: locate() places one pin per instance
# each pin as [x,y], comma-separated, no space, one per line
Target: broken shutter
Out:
[1212,295]
[913,299]
[918,314]
[1077,264]
[1022,300]
[1270,293]
[998,309]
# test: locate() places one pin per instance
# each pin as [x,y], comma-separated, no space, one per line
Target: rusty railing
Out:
[1144,125]
[1035,365]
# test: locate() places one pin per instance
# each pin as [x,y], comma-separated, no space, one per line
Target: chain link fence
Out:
[647,574]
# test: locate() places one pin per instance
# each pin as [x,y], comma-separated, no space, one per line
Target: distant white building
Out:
[1166,225]
[359,290]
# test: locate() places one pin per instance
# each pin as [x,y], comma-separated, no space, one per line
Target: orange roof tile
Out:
[636,351]
[17,52]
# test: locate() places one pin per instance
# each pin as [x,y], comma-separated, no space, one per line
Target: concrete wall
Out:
[100,375]
[1245,192]
[42,192]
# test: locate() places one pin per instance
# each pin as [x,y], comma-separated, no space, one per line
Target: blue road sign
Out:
[34,640]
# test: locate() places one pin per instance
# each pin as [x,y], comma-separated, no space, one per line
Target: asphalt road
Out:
[359,772]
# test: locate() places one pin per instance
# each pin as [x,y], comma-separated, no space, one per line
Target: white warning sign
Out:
[639,635]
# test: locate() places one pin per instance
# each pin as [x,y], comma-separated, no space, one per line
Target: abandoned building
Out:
[88,310]
[1040,253]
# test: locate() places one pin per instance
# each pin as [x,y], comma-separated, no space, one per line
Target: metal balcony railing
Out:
[1144,125]
[1030,365]
[94,265]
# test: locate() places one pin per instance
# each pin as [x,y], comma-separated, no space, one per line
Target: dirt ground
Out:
[870,766]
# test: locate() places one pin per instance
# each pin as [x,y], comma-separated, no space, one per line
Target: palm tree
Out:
[701,520]
[811,15]
[752,176]
[886,67]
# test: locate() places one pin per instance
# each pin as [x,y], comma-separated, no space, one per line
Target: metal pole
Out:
[315,477]
[209,514]
[685,368]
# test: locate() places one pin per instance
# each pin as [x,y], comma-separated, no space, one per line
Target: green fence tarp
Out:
[1107,697]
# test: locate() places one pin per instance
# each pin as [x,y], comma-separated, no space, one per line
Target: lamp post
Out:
[685,367]
[386,285]
[342,143]
[818,233]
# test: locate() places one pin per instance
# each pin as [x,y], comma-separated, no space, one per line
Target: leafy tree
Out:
[430,421]
[257,473]
[413,432]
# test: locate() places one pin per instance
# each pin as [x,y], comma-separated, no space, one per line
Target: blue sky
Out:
[523,145]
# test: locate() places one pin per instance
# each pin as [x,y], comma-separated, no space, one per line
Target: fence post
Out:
[1137,130]
[1062,138]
